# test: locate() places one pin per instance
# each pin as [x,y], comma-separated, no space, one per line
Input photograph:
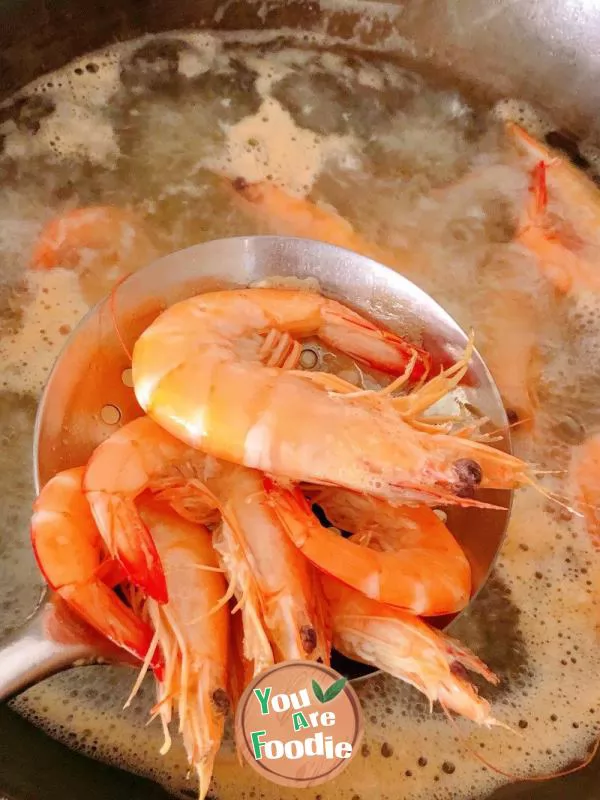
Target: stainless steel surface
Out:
[541,51]
[50,641]
[90,377]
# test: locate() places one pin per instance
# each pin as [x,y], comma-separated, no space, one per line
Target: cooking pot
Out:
[536,50]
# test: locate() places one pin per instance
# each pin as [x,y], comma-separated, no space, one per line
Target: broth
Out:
[154,125]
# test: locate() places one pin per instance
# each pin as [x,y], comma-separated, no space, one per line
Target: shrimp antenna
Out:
[534,778]
[113,314]
[511,426]
[551,496]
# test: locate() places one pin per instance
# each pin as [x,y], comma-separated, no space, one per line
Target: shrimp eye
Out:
[308,637]
[512,416]
[469,475]
[240,184]
[464,490]
[220,701]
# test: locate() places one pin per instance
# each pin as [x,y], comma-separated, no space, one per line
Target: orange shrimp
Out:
[585,485]
[305,426]
[280,605]
[192,630]
[565,247]
[511,329]
[72,558]
[267,572]
[404,646]
[294,216]
[101,243]
[405,557]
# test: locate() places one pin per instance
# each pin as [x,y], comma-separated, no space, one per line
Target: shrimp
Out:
[306,426]
[258,555]
[405,557]
[404,646]
[512,332]
[101,243]
[584,476]
[296,216]
[192,630]
[273,582]
[72,558]
[564,247]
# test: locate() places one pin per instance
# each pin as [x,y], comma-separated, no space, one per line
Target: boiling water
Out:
[155,125]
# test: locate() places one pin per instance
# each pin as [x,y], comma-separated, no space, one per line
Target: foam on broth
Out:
[154,125]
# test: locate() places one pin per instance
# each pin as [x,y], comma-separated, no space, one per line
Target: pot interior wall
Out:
[541,51]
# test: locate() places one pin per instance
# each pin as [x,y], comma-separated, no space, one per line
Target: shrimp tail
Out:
[95,603]
[131,543]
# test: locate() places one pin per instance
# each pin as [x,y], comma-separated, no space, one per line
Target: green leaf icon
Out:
[334,689]
[330,693]
[318,692]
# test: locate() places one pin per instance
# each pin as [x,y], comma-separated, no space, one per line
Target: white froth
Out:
[270,146]
[79,126]
[53,308]
[530,118]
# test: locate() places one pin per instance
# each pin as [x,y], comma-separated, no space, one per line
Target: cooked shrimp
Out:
[566,246]
[404,646]
[72,558]
[119,470]
[198,371]
[273,582]
[260,559]
[295,216]
[402,556]
[192,630]
[101,243]
[585,485]
[511,329]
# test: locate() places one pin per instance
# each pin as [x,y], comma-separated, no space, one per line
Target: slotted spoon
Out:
[89,394]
